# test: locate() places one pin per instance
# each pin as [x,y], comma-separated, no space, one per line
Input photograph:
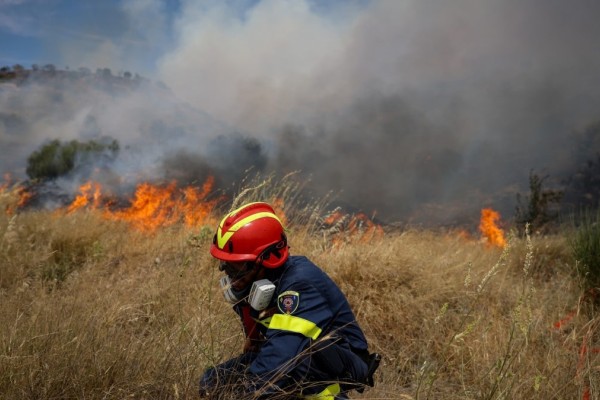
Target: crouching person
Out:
[302,338]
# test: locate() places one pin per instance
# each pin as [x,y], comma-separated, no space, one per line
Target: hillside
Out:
[162,140]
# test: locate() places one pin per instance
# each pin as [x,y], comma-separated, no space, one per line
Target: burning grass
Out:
[152,206]
[91,308]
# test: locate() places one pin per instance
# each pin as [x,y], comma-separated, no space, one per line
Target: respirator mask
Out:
[259,294]
[231,295]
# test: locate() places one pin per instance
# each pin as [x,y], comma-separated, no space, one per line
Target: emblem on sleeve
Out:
[287,302]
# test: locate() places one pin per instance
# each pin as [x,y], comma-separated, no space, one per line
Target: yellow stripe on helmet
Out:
[223,237]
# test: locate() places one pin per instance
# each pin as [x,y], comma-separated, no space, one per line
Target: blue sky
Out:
[67,32]
[43,31]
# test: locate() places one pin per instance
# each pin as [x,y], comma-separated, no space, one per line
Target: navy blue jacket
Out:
[307,305]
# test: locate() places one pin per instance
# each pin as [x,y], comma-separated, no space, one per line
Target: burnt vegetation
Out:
[571,195]
[540,208]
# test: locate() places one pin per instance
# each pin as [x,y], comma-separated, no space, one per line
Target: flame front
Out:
[152,206]
[86,194]
[17,194]
[350,227]
[489,228]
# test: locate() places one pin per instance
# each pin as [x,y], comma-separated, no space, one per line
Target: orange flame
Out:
[489,228]
[350,227]
[153,206]
[278,207]
[195,207]
[363,225]
[19,195]
[23,195]
[7,180]
[333,218]
[86,195]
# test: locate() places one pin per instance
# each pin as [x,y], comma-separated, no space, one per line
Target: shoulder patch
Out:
[288,302]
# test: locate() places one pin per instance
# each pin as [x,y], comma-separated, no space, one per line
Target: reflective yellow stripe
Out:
[286,322]
[329,393]
[222,238]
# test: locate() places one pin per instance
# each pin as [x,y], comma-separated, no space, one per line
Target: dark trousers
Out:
[326,362]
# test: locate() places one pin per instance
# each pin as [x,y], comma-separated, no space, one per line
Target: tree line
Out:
[20,74]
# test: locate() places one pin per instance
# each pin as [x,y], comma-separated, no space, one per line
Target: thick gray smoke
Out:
[419,110]
[411,108]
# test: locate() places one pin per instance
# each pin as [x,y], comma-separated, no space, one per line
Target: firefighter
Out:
[302,338]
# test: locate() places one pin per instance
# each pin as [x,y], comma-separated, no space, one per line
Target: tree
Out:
[7,73]
[541,206]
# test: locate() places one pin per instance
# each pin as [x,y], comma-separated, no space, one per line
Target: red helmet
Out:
[251,233]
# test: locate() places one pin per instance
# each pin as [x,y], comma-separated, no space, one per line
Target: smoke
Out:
[419,110]
[405,107]
[148,122]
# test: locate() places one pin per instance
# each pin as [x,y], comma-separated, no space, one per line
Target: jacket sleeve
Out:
[289,335]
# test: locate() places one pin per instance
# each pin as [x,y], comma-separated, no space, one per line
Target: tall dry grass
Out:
[91,309]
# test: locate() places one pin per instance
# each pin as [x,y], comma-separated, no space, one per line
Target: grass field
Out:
[91,308]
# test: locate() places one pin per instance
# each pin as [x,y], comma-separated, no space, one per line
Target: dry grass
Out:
[92,309]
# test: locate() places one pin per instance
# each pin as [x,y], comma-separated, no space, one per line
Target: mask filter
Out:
[261,294]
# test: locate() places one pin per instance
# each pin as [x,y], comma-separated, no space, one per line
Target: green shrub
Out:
[56,159]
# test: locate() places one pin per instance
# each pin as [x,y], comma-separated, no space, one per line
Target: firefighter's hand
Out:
[203,393]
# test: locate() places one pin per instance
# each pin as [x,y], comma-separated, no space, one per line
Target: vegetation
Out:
[541,207]
[55,159]
[582,185]
[18,74]
[585,244]
[90,308]
[583,188]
